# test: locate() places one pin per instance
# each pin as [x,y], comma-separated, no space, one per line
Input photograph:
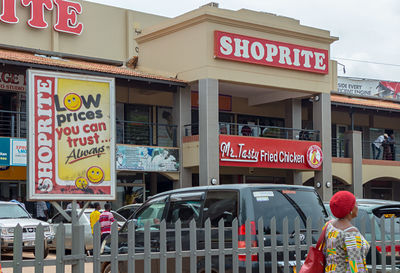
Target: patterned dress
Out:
[345,250]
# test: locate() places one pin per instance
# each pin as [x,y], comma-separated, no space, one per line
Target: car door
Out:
[56,221]
[151,213]
[186,207]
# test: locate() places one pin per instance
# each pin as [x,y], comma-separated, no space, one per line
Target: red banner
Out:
[258,152]
[247,49]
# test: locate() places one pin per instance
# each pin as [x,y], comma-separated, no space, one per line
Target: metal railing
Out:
[258,131]
[13,124]
[386,151]
[187,248]
[340,147]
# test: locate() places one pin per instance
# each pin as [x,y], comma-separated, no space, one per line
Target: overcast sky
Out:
[368,30]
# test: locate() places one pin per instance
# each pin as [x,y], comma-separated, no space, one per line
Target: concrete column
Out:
[293,120]
[208,131]
[153,184]
[181,117]
[322,122]
[354,144]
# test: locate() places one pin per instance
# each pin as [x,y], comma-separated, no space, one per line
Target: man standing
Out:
[106,220]
[95,215]
[377,144]
[41,210]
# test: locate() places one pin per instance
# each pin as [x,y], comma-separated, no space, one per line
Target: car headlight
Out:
[7,231]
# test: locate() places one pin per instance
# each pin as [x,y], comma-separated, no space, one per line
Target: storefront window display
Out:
[130,189]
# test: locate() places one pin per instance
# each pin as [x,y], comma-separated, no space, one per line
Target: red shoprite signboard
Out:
[67,13]
[258,152]
[247,49]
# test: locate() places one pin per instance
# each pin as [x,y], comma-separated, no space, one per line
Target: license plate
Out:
[29,243]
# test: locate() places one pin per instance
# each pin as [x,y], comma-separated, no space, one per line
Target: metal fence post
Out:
[17,260]
[60,248]
[39,249]
[78,242]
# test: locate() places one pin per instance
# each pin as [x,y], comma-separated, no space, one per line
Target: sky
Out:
[368,30]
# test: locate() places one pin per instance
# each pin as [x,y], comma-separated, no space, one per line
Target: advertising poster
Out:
[149,159]
[259,152]
[4,151]
[71,137]
[369,88]
[18,152]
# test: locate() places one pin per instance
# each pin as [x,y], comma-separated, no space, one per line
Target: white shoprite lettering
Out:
[242,154]
[44,134]
[270,52]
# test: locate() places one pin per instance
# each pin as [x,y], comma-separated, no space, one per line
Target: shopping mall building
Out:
[213,96]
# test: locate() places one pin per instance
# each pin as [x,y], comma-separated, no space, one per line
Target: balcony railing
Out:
[339,147]
[143,133]
[258,131]
[387,151]
[13,124]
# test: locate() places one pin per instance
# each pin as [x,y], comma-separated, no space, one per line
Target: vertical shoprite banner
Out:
[71,137]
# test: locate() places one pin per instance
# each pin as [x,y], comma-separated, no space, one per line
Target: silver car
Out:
[12,214]
[83,220]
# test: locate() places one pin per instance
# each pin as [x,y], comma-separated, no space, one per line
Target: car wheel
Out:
[45,253]
[107,269]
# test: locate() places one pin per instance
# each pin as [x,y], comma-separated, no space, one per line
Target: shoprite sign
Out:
[259,152]
[67,14]
[71,137]
[247,49]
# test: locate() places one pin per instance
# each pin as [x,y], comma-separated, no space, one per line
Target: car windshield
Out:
[290,204]
[9,211]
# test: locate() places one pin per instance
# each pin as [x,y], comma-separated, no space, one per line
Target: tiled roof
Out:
[366,102]
[31,58]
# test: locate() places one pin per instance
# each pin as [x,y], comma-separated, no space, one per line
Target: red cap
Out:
[342,203]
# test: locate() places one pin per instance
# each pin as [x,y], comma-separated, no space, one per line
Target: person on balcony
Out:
[377,146]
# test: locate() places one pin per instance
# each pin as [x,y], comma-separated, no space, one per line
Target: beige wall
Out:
[190,42]
[108,32]
[191,155]
[370,172]
[240,106]
[343,171]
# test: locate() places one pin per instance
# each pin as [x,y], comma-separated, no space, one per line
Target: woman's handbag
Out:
[315,260]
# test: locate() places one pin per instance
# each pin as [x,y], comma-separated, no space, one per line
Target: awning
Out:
[72,65]
[364,103]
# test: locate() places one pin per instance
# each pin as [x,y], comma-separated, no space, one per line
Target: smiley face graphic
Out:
[81,183]
[72,102]
[95,174]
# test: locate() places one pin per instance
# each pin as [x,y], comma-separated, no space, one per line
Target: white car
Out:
[83,220]
[12,214]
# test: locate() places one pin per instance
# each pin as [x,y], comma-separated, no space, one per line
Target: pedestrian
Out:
[345,248]
[95,215]
[377,145]
[41,210]
[106,219]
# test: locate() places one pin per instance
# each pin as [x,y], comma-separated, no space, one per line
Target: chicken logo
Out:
[314,156]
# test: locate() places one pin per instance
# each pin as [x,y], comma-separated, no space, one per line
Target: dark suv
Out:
[227,202]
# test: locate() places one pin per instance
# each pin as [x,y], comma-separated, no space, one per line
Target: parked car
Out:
[128,210]
[83,220]
[226,202]
[11,215]
[376,209]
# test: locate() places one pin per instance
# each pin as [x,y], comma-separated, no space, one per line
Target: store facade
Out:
[212,96]
[256,79]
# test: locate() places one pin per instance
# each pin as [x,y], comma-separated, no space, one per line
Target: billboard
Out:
[260,152]
[71,137]
[148,159]
[369,88]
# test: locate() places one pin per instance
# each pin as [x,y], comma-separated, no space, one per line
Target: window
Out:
[186,207]
[221,205]
[152,213]
[59,218]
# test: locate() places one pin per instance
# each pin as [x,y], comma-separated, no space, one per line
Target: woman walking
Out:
[345,248]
